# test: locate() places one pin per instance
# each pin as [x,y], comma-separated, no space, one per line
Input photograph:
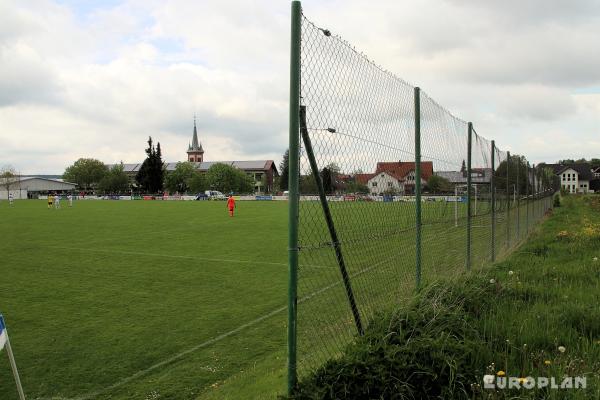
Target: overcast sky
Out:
[96,78]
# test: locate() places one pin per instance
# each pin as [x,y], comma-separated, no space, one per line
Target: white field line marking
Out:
[208,342]
[135,253]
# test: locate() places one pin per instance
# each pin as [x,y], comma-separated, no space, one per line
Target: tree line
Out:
[93,175]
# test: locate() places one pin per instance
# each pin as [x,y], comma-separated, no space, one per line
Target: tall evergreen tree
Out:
[327,178]
[150,175]
[284,167]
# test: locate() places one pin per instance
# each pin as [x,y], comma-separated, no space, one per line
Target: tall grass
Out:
[535,314]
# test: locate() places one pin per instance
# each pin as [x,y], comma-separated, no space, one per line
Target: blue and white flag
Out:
[2,333]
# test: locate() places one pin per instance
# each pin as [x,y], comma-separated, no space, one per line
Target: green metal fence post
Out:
[418,184]
[518,192]
[536,207]
[293,185]
[507,201]
[493,193]
[527,190]
[469,148]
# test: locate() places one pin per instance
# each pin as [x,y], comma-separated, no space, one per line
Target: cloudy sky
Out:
[96,78]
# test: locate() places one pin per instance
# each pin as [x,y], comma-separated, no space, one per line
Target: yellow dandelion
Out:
[547,362]
[500,373]
[522,380]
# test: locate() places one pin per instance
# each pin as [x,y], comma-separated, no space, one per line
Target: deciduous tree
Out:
[179,179]
[9,179]
[86,173]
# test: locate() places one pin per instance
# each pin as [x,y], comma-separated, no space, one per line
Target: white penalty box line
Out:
[197,258]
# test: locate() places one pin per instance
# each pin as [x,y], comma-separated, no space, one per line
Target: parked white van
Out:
[215,195]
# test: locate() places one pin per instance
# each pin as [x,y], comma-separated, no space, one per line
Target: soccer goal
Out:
[460,196]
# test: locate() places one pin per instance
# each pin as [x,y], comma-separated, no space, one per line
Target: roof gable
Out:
[583,169]
[402,169]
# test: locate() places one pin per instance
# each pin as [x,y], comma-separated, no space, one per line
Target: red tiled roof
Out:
[400,170]
[363,178]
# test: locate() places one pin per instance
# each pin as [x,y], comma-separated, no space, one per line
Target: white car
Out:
[215,195]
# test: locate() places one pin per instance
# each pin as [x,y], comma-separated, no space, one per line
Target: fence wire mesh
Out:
[357,182]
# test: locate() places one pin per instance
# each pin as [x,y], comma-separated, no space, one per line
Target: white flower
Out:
[595,259]
[562,349]
[492,281]
[510,272]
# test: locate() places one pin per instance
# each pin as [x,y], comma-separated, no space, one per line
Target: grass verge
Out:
[533,315]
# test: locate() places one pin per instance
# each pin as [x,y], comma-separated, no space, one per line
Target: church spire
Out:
[195,150]
[195,144]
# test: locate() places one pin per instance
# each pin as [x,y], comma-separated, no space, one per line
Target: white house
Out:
[575,178]
[398,177]
[385,181]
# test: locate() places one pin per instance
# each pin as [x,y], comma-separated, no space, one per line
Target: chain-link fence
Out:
[388,191]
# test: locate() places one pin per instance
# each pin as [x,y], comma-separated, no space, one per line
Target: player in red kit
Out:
[230,205]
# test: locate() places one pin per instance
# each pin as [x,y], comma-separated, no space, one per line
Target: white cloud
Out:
[96,83]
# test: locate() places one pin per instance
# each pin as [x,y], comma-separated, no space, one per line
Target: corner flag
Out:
[4,341]
[2,333]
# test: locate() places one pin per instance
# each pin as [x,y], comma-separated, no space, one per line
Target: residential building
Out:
[575,178]
[395,177]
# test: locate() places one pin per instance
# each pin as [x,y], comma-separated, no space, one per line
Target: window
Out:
[374,184]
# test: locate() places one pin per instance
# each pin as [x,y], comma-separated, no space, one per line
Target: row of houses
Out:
[399,177]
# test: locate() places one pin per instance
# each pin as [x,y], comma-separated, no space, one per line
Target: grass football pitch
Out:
[140,299]
[176,300]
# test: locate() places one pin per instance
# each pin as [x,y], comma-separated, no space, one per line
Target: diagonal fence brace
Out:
[328,218]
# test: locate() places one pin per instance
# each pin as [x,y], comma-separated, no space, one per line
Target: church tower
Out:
[195,151]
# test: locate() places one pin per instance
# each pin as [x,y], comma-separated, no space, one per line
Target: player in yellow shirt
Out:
[50,200]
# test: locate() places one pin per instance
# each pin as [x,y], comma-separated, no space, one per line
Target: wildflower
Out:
[510,272]
[522,380]
[492,281]
[547,362]
[595,259]
[562,349]
[500,373]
